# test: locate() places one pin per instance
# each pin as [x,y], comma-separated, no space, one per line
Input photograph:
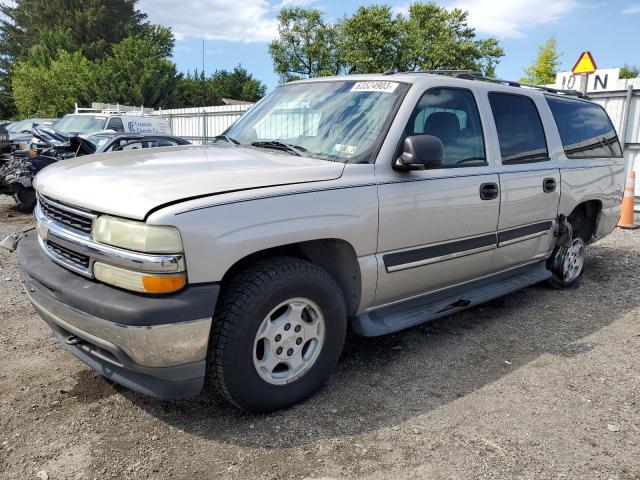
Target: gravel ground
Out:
[539,384]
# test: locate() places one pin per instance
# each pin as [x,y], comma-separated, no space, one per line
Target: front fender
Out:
[218,236]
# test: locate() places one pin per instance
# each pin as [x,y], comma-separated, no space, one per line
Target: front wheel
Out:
[567,264]
[277,334]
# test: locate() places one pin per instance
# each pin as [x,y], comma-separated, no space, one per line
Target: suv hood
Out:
[132,183]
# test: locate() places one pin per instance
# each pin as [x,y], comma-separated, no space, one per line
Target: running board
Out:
[445,302]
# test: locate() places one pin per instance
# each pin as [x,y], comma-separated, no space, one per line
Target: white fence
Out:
[200,124]
[623,106]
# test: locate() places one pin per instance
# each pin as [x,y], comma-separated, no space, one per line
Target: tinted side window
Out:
[452,116]
[520,130]
[115,124]
[585,129]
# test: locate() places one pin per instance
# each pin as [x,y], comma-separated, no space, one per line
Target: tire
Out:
[259,302]
[25,199]
[567,264]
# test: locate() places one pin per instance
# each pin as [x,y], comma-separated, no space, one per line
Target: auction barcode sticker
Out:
[375,86]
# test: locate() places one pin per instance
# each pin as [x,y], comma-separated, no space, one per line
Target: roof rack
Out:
[471,75]
[114,109]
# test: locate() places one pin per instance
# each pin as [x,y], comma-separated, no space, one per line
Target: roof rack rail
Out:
[472,75]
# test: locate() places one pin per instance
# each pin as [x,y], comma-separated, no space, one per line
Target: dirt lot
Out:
[540,384]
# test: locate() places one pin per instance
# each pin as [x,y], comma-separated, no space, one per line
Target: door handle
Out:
[489,191]
[549,185]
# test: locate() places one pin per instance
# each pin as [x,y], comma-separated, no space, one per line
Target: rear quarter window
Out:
[519,127]
[585,128]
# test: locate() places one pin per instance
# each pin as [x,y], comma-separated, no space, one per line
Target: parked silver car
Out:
[373,202]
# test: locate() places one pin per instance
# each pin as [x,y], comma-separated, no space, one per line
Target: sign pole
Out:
[584,67]
[584,83]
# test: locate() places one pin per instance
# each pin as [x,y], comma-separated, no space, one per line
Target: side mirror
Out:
[420,152]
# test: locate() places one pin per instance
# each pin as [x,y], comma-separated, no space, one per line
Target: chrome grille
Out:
[71,217]
[64,234]
[74,257]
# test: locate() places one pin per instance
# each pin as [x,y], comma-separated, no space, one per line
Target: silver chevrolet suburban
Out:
[373,203]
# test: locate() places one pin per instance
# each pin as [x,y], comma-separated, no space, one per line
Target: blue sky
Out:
[239,31]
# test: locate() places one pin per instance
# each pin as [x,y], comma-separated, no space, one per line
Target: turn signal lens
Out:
[164,284]
[137,281]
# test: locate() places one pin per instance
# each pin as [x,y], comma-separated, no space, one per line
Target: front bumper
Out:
[156,345]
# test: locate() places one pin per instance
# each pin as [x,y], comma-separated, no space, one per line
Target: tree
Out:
[440,39]
[88,26]
[138,72]
[373,40]
[544,69]
[370,40]
[306,46]
[629,71]
[237,85]
[39,91]
[92,26]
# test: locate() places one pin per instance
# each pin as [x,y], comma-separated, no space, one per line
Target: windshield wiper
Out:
[226,139]
[276,145]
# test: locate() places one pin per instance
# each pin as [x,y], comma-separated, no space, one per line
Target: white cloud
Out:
[632,9]
[238,20]
[510,19]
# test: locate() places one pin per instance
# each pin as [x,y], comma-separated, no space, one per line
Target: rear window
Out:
[585,129]
[520,131]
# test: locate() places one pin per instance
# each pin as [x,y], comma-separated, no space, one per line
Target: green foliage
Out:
[629,71]
[544,68]
[306,47]
[92,26]
[371,40]
[237,84]
[137,72]
[38,91]
[88,26]
[120,58]
[374,40]
[438,38]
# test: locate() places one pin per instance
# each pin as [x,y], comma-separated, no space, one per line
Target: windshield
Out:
[336,120]
[17,127]
[81,124]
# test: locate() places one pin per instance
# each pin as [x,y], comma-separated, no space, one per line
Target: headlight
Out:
[137,281]
[136,236]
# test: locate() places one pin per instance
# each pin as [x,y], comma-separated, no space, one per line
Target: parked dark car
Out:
[111,141]
[50,146]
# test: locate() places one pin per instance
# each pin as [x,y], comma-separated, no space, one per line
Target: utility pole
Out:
[204,96]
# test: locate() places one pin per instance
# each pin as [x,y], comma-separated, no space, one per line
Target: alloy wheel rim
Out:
[573,260]
[288,341]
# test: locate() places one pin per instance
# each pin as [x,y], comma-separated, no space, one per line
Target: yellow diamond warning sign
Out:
[585,64]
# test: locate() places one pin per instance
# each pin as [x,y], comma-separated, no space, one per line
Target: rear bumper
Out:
[153,345]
